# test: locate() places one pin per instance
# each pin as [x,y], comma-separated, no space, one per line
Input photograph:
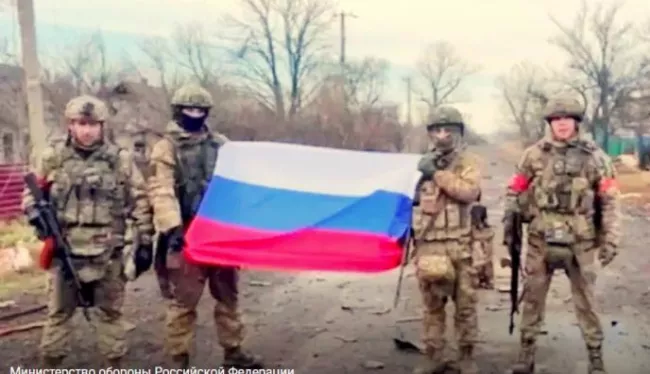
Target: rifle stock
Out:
[514,249]
[56,245]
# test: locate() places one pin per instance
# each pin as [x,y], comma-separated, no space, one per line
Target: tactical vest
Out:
[440,216]
[195,161]
[89,195]
[563,196]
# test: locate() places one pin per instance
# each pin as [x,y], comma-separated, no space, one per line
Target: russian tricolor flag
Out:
[294,207]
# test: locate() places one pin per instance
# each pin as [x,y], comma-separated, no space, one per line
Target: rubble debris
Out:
[373,365]
[20,313]
[26,327]
[405,345]
[7,304]
[346,339]
[255,283]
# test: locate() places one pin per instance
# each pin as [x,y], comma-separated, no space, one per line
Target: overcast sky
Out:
[494,34]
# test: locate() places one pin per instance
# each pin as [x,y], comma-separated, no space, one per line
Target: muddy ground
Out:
[341,323]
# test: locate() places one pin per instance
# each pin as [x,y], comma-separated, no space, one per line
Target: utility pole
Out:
[32,72]
[342,16]
[408,101]
[342,61]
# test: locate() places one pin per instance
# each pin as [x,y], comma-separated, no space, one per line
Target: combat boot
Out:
[52,362]
[181,360]
[434,363]
[467,362]
[526,361]
[239,359]
[596,365]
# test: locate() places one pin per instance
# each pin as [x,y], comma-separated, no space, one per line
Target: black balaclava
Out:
[188,123]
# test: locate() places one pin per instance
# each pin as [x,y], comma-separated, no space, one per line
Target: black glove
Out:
[143,258]
[38,223]
[606,254]
[508,226]
[478,215]
[175,240]
[427,165]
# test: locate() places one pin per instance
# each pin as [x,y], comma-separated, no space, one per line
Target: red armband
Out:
[518,183]
[607,184]
[43,184]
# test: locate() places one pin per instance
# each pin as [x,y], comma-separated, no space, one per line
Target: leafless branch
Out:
[365,81]
[442,72]
[604,62]
[524,92]
[278,48]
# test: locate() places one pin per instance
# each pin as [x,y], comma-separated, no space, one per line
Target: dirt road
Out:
[341,323]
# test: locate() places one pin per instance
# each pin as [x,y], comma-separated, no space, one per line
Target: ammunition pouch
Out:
[435,268]
[558,254]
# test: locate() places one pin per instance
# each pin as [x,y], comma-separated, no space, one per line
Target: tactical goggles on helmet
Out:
[448,127]
[557,116]
[85,121]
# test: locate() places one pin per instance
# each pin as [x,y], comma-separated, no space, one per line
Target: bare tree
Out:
[524,91]
[190,55]
[88,64]
[279,48]
[603,62]
[195,52]
[365,81]
[162,58]
[442,72]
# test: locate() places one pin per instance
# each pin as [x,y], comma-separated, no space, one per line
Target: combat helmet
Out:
[192,95]
[86,107]
[445,116]
[564,106]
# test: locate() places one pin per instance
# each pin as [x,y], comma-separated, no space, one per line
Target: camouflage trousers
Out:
[436,293]
[187,283]
[483,256]
[582,276]
[105,316]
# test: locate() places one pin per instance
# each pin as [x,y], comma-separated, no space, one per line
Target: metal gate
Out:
[11,188]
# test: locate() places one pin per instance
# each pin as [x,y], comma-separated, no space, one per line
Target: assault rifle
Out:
[56,245]
[514,249]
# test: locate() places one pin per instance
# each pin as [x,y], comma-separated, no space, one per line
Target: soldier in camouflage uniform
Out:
[90,183]
[442,229]
[565,187]
[182,164]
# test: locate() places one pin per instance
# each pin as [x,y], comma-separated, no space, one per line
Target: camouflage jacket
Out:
[445,200]
[93,195]
[181,166]
[568,186]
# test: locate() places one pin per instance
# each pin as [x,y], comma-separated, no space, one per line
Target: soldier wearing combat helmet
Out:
[565,188]
[182,164]
[442,233]
[90,182]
